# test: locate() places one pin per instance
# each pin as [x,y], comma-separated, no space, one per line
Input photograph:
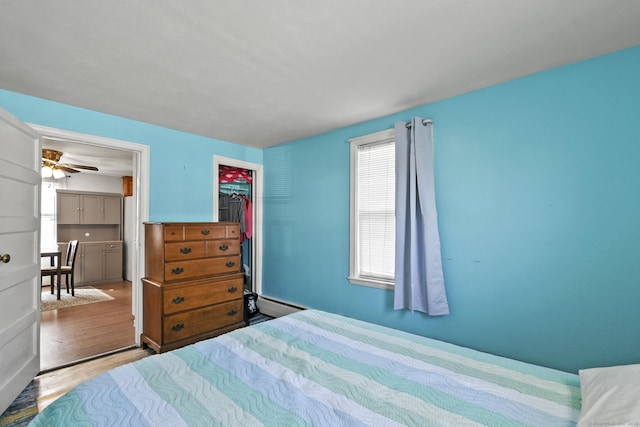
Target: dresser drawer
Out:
[181,270]
[223,247]
[194,322]
[204,232]
[201,295]
[233,231]
[173,233]
[184,250]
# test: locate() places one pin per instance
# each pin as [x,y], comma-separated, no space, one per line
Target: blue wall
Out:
[181,175]
[538,184]
[539,210]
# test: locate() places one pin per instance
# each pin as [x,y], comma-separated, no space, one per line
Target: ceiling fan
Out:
[51,166]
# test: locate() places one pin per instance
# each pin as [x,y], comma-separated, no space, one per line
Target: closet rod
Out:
[424,122]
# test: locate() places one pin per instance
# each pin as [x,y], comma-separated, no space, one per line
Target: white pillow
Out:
[610,396]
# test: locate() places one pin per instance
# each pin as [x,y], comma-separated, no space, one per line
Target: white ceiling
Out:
[260,73]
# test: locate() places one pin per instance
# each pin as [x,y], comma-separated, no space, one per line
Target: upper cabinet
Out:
[88,208]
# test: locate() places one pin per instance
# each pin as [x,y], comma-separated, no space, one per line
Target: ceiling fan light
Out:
[46,172]
[58,173]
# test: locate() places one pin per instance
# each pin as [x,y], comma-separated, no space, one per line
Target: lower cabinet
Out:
[97,262]
[91,266]
[113,262]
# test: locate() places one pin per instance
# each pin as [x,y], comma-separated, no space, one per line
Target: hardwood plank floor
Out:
[72,334]
[54,384]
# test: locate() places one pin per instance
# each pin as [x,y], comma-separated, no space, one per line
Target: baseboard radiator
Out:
[276,308]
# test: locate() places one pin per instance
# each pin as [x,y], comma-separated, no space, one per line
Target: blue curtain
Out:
[419,281]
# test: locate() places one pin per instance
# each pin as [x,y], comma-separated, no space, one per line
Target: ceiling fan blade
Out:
[66,168]
[89,168]
[51,158]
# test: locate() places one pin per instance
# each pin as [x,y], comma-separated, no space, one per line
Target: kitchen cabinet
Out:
[97,262]
[88,208]
[112,262]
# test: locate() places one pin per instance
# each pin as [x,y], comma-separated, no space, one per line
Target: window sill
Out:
[371,283]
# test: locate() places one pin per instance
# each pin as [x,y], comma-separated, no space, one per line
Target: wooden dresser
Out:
[193,287]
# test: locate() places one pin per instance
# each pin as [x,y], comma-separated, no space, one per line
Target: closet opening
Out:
[235,204]
[238,198]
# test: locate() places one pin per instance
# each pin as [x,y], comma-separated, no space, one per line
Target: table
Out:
[52,255]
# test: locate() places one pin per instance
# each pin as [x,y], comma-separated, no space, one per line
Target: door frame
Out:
[141,163]
[256,241]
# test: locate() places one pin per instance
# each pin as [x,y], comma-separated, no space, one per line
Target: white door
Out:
[19,257]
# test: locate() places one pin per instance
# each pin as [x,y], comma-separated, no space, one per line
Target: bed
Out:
[318,368]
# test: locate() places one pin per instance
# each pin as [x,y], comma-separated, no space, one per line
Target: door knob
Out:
[5,258]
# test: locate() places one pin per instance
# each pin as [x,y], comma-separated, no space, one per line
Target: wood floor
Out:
[73,334]
[51,385]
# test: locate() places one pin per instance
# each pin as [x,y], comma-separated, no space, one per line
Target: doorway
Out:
[137,210]
[76,333]
[249,186]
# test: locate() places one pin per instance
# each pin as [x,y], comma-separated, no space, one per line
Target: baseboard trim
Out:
[277,308]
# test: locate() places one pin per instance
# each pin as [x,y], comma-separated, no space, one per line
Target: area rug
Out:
[85,295]
[23,409]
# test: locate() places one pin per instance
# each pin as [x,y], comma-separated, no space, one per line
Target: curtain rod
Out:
[424,122]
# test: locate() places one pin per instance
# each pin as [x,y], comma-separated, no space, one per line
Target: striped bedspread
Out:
[322,369]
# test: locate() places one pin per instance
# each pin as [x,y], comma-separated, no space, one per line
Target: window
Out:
[372,223]
[48,239]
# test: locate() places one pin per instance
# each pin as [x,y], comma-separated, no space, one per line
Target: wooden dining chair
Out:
[66,269]
[50,271]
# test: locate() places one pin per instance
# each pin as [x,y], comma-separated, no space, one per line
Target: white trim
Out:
[12,120]
[370,283]
[381,136]
[256,241]
[141,164]
[372,138]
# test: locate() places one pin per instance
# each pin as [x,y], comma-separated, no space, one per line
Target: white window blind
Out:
[373,210]
[48,215]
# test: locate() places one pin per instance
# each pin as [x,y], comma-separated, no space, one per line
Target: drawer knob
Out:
[232,313]
[232,289]
[177,300]
[177,327]
[223,248]
[230,264]
[177,270]
[205,232]
[185,250]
